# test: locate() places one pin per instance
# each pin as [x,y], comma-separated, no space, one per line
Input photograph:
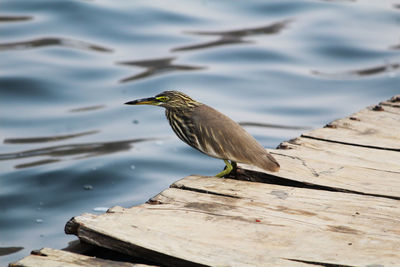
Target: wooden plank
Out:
[393,102]
[239,223]
[352,168]
[48,257]
[368,158]
[379,128]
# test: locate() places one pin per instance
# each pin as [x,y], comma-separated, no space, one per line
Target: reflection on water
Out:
[9,250]
[388,68]
[155,67]
[14,18]
[395,46]
[84,150]
[165,65]
[274,126]
[84,109]
[53,41]
[234,36]
[45,139]
[339,0]
[36,163]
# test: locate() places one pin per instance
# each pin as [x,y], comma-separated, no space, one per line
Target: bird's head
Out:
[167,99]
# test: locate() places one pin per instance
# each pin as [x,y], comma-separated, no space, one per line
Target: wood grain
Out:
[370,128]
[48,257]
[239,223]
[338,166]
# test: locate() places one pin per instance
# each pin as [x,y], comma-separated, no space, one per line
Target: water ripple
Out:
[274,126]
[53,41]
[45,139]
[233,36]
[15,18]
[387,68]
[84,150]
[9,250]
[156,67]
[89,108]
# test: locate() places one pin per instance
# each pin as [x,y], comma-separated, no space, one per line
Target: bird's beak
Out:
[144,101]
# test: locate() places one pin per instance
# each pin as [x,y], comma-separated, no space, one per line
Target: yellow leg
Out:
[227,171]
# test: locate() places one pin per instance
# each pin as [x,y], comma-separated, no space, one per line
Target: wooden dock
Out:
[335,202]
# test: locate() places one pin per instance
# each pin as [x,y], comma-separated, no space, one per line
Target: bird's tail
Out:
[268,163]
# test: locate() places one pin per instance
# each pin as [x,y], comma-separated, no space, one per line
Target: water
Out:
[70,146]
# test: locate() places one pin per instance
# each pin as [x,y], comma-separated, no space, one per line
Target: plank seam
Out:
[183,187]
[350,144]
[316,174]
[254,176]
[325,264]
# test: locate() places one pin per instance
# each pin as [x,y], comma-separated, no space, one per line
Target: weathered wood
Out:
[342,167]
[372,127]
[251,224]
[48,257]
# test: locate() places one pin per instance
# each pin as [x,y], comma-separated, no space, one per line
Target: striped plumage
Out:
[209,131]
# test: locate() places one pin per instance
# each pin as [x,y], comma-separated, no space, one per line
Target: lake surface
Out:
[69,145]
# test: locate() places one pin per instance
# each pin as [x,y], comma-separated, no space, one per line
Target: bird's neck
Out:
[181,111]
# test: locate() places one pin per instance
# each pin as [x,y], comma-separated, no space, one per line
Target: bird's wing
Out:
[221,137]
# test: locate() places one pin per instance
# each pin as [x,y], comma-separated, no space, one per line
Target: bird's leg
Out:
[234,165]
[227,170]
[235,168]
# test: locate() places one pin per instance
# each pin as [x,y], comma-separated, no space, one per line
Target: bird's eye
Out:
[162,98]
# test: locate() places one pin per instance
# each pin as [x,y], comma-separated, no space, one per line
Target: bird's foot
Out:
[230,168]
[223,173]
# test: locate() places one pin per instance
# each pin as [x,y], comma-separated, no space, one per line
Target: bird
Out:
[211,132]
